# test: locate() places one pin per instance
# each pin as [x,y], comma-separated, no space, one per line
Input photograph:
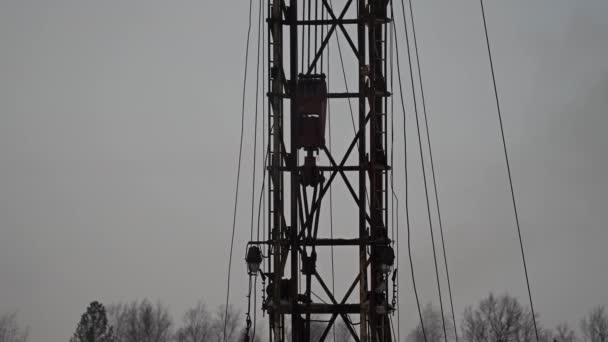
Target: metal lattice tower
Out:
[298,185]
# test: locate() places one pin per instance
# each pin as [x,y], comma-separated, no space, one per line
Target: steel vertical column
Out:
[275,199]
[296,333]
[363,290]
[380,329]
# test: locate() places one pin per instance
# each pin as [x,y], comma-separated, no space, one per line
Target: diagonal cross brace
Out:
[344,299]
[315,205]
[328,36]
[346,181]
[346,35]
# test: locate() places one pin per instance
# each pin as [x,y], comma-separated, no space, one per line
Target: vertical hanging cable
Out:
[394,198]
[504,145]
[308,33]
[238,173]
[303,36]
[253,179]
[432,164]
[428,206]
[316,29]
[267,112]
[255,122]
[350,105]
[407,215]
[264,147]
[323,33]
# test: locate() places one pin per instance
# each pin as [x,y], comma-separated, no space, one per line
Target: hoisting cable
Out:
[316,28]
[238,172]
[309,17]
[394,197]
[432,164]
[350,105]
[261,200]
[407,215]
[255,147]
[263,189]
[323,32]
[260,205]
[392,326]
[426,191]
[248,314]
[504,145]
[303,40]
[255,122]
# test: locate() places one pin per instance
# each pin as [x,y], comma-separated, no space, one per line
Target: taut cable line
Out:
[508,166]
[238,172]
[432,165]
[407,215]
[426,191]
[255,143]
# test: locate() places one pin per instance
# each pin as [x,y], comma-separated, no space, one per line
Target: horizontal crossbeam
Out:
[325,242]
[318,308]
[318,22]
[333,95]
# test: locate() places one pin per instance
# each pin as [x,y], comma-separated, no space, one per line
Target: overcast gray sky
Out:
[119,125]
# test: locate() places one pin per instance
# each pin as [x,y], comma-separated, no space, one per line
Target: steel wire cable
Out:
[394,197]
[508,166]
[238,173]
[264,130]
[407,215]
[255,141]
[316,28]
[392,326]
[432,165]
[309,17]
[261,200]
[255,122]
[350,105]
[323,34]
[426,191]
[318,297]
[303,54]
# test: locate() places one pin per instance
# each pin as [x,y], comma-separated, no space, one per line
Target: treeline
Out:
[494,319]
[504,319]
[144,321]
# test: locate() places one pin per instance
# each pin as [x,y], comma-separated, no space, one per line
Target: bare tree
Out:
[546,335]
[197,325]
[563,333]
[498,319]
[10,331]
[595,326]
[141,322]
[234,330]
[433,326]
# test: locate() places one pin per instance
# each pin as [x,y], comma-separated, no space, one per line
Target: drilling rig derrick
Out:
[299,97]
